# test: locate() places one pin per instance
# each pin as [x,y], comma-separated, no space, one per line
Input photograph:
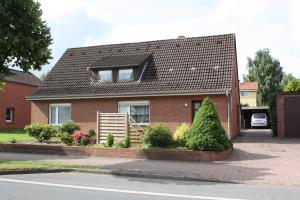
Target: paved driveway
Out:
[258,158]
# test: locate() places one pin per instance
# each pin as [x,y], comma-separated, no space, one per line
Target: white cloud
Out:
[257,23]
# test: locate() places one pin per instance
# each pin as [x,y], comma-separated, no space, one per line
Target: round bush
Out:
[92,132]
[158,135]
[67,138]
[207,133]
[69,127]
[181,134]
[42,132]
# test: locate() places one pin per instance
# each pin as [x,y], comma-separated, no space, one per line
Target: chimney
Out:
[181,37]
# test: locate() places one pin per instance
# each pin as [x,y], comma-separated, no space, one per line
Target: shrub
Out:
[84,141]
[42,132]
[67,138]
[70,127]
[124,143]
[92,132]
[110,140]
[207,133]
[158,135]
[13,140]
[181,134]
[82,138]
[127,142]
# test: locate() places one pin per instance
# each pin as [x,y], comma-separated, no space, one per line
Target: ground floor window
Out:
[59,113]
[138,110]
[9,115]
[196,104]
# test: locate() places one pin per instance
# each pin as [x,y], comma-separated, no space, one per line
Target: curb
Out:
[116,172]
[35,171]
[140,174]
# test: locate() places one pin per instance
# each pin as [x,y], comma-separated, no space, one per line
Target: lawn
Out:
[6,165]
[19,135]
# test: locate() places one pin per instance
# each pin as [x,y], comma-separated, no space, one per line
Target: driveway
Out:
[258,158]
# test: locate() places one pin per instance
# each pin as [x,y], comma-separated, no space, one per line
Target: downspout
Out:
[228,95]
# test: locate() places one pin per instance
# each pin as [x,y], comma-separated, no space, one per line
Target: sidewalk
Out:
[257,159]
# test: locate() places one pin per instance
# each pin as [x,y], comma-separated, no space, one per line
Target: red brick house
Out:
[155,81]
[14,108]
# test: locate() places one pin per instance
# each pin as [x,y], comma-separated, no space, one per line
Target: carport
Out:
[288,113]
[246,113]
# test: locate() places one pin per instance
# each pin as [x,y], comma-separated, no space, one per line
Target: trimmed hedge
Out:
[158,135]
[42,132]
[207,133]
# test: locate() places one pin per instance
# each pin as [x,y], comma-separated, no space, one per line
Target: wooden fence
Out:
[118,124]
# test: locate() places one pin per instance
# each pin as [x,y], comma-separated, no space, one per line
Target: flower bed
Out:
[155,154]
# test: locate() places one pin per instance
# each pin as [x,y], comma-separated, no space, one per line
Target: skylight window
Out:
[125,75]
[105,75]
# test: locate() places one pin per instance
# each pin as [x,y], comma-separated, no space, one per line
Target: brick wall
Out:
[235,101]
[13,96]
[280,116]
[169,110]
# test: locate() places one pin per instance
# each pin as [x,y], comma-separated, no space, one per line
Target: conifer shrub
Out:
[110,140]
[207,133]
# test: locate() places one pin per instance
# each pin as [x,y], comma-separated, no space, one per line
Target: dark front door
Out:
[195,107]
[292,114]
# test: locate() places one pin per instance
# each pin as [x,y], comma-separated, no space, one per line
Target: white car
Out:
[259,120]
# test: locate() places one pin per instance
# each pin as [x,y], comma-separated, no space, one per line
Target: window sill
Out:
[8,121]
[141,124]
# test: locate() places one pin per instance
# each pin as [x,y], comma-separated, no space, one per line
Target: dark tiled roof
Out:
[23,77]
[176,66]
[120,61]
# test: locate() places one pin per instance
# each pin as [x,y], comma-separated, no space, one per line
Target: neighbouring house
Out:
[15,110]
[288,111]
[248,94]
[156,81]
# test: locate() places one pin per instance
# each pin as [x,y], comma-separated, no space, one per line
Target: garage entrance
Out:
[246,113]
[292,113]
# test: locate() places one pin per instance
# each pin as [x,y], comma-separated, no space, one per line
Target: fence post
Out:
[126,124]
[97,128]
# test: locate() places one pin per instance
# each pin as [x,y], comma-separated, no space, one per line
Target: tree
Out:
[25,37]
[207,132]
[267,71]
[293,86]
[287,77]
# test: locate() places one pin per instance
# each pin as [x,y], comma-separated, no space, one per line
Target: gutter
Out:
[122,96]
[228,95]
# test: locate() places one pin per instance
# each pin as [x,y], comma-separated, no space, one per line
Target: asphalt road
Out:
[75,186]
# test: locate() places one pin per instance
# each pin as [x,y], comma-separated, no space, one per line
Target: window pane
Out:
[125,74]
[124,109]
[244,93]
[140,113]
[9,114]
[53,115]
[64,114]
[105,75]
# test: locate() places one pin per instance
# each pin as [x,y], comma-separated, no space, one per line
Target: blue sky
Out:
[273,24]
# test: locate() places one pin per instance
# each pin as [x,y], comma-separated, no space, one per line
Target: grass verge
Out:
[9,165]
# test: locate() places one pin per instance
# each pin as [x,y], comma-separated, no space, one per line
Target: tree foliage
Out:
[287,77]
[207,133]
[293,86]
[267,71]
[25,37]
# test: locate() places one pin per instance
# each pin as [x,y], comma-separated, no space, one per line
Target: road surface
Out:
[76,186]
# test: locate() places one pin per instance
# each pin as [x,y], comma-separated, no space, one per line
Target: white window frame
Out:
[11,115]
[125,79]
[56,105]
[136,103]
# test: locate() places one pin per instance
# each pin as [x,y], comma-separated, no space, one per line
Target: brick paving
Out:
[258,158]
